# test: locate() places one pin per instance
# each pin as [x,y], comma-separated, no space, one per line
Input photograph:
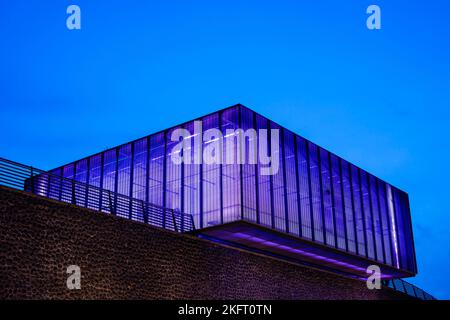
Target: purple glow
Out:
[301,253]
[315,195]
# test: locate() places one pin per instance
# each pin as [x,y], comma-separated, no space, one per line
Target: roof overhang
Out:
[256,238]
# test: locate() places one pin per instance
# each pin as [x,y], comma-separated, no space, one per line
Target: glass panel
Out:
[393,225]
[140,169]
[316,192]
[348,205]
[327,197]
[265,205]
[156,175]
[124,170]
[367,214]
[139,179]
[250,202]
[376,219]
[385,222]
[338,202]
[192,175]
[109,170]
[67,185]
[173,176]
[156,169]
[305,205]
[211,172]
[406,215]
[81,171]
[401,228]
[81,175]
[360,235]
[231,182]
[278,183]
[95,173]
[291,182]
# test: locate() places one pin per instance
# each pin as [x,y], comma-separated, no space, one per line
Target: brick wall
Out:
[122,259]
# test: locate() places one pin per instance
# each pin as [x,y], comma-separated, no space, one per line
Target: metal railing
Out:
[408,288]
[18,176]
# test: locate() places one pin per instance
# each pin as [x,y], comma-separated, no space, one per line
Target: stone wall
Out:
[122,259]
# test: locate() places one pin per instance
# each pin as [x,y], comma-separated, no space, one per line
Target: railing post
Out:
[182,221]
[192,221]
[174,221]
[73,192]
[144,211]
[110,203]
[130,208]
[32,180]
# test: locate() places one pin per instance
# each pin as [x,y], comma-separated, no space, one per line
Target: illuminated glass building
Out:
[318,209]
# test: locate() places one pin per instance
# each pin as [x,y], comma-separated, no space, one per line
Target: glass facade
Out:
[314,194]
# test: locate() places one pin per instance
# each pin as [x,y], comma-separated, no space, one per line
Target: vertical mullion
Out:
[399,256]
[201,183]
[272,208]
[130,212]
[147,172]
[308,165]
[391,237]
[164,186]
[380,216]
[74,191]
[330,166]
[344,212]
[283,157]
[297,182]
[258,219]
[373,217]
[221,143]
[182,182]
[241,200]
[61,174]
[322,209]
[102,163]
[48,185]
[116,180]
[147,177]
[355,229]
[362,212]
[88,175]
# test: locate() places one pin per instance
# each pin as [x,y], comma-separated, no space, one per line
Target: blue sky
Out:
[380,99]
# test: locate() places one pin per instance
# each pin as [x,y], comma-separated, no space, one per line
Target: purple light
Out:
[301,253]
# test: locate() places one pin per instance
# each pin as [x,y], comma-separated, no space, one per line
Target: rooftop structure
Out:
[251,183]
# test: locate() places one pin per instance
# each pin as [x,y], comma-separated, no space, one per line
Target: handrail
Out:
[408,288]
[43,183]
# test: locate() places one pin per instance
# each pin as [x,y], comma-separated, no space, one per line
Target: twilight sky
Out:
[380,99]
